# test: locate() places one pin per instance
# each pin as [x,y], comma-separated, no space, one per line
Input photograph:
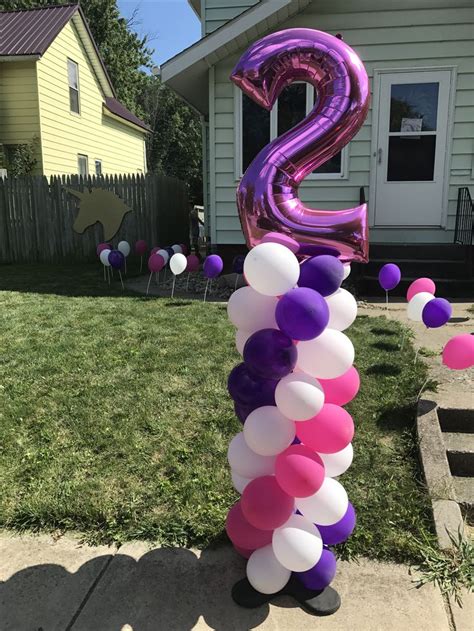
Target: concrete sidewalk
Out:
[61,585]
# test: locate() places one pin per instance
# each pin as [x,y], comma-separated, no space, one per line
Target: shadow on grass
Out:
[384,369]
[165,588]
[396,419]
[179,303]
[380,331]
[385,346]
[458,319]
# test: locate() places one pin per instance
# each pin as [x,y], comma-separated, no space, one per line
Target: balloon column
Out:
[296,375]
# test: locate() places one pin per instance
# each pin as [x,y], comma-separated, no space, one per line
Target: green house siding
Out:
[421,38]
[219,12]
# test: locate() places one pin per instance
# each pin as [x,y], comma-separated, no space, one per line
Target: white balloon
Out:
[271,269]
[251,311]
[342,309]
[239,482]
[337,463]
[267,432]
[104,257]
[124,247]
[177,249]
[299,396]
[327,506]
[246,462]
[241,337]
[347,271]
[328,356]
[164,254]
[178,263]
[265,573]
[297,544]
[417,304]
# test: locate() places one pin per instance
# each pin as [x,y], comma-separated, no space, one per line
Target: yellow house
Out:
[55,91]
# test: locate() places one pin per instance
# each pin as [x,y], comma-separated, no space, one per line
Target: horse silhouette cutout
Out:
[99,205]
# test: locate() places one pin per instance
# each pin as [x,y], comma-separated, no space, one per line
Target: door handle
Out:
[379,159]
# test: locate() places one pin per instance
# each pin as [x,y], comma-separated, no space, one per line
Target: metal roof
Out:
[121,111]
[31,31]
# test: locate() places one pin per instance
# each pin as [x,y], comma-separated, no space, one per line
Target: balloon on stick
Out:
[436,313]
[124,247]
[140,249]
[238,268]
[155,263]
[458,352]
[389,277]
[104,259]
[117,260]
[177,266]
[192,265]
[425,285]
[213,266]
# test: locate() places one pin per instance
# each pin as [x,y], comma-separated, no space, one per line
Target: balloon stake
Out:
[108,274]
[174,283]
[236,281]
[187,281]
[205,291]
[125,267]
[121,279]
[149,281]
[141,264]
[105,274]
[157,278]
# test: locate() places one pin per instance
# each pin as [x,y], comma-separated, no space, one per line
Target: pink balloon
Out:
[267,196]
[299,471]
[244,552]
[103,246]
[458,353]
[155,250]
[184,248]
[329,431]
[241,533]
[156,262]
[192,263]
[421,284]
[342,389]
[140,247]
[265,505]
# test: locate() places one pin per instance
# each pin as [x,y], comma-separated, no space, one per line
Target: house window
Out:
[83,165]
[256,127]
[73,79]
[98,167]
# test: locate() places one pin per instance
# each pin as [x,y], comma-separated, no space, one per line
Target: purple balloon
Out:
[238,264]
[170,252]
[270,354]
[436,313]
[116,259]
[389,276]
[250,391]
[302,313]
[322,273]
[320,575]
[242,411]
[213,266]
[340,531]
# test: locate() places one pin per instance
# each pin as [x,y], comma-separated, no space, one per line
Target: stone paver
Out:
[463,617]
[44,582]
[179,590]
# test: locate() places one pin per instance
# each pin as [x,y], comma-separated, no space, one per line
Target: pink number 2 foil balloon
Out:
[267,197]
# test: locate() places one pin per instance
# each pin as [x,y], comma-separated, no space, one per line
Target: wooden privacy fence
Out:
[37,216]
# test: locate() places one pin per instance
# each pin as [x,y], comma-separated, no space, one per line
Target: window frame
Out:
[238,137]
[79,156]
[70,87]
[98,161]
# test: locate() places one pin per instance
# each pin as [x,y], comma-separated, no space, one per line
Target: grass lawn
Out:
[115,418]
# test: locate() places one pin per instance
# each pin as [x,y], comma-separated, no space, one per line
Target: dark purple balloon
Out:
[170,252]
[389,276]
[116,259]
[302,313]
[322,273]
[213,266]
[340,531]
[242,411]
[249,390]
[436,313]
[270,354]
[319,576]
[238,264]
[296,441]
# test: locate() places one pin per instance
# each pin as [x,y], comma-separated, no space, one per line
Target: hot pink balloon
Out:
[156,263]
[421,284]
[299,471]
[329,431]
[268,193]
[242,534]
[264,503]
[343,389]
[458,353]
[192,263]
[140,247]
[103,246]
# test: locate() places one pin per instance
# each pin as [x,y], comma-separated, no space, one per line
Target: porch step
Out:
[445,287]
[464,489]
[415,268]
[460,452]
[454,420]
[418,251]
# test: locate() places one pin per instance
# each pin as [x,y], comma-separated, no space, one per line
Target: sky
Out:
[171,24]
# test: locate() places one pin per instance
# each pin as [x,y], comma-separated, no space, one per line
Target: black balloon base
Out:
[318,603]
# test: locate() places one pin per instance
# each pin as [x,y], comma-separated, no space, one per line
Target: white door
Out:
[411,148]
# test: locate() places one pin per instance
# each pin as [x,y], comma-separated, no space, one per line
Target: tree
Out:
[174,147]
[123,51]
